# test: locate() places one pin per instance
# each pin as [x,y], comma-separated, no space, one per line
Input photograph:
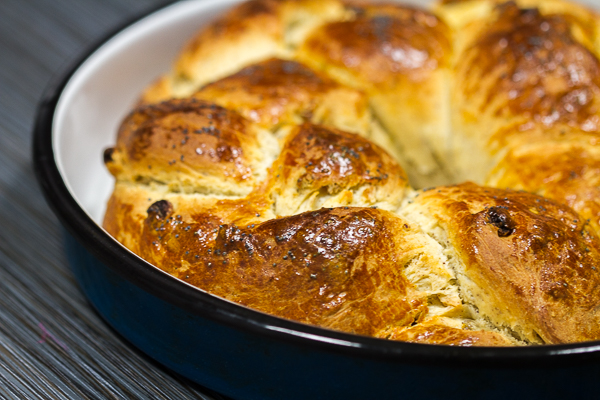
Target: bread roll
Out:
[271,168]
[525,262]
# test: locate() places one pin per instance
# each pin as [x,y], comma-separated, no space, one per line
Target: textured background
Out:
[52,343]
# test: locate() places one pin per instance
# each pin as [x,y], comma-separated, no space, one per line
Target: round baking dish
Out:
[223,346]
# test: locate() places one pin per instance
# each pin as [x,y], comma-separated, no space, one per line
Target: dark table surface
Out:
[52,343]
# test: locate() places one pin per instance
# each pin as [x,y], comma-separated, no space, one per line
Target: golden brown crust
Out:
[528,84]
[383,44]
[254,23]
[250,32]
[541,73]
[523,75]
[257,17]
[566,172]
[530,263]
[182,142]
[122,222]
[321,267]
[321,167]
[266,90]
[400,56]
[436,333]
[276,91]
[400,63]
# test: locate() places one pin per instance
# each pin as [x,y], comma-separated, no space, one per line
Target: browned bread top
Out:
[383,44]
[250,32]
[265,90]
[278,92]
[568,172]
[189,144]
[331,267]
[319,167]
[526,262]
[440,333]
[530,68]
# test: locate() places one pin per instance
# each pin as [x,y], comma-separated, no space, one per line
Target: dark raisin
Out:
[160,209]
[108,153]
[500,218]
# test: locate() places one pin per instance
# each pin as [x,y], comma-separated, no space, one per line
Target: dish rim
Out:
[201,304]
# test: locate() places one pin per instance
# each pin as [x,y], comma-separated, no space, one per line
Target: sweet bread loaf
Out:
[304,158]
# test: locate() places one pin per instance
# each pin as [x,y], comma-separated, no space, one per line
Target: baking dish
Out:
[223,346]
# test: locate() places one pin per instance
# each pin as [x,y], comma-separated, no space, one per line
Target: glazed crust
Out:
[320,267]
[536,70]
[527,263]
[568,172]
[440,333]
[251,32]
[523,75]
[263,91]
[188,143]
[382,46]
[271,168]
[320,167]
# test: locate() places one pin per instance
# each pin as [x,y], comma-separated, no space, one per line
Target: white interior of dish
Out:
[107,84]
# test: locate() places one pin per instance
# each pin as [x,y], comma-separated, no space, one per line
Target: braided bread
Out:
[271,167]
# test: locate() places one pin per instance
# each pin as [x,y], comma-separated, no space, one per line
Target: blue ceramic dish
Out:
[233,350]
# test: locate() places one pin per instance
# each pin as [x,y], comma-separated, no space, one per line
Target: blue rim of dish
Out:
[151,279]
